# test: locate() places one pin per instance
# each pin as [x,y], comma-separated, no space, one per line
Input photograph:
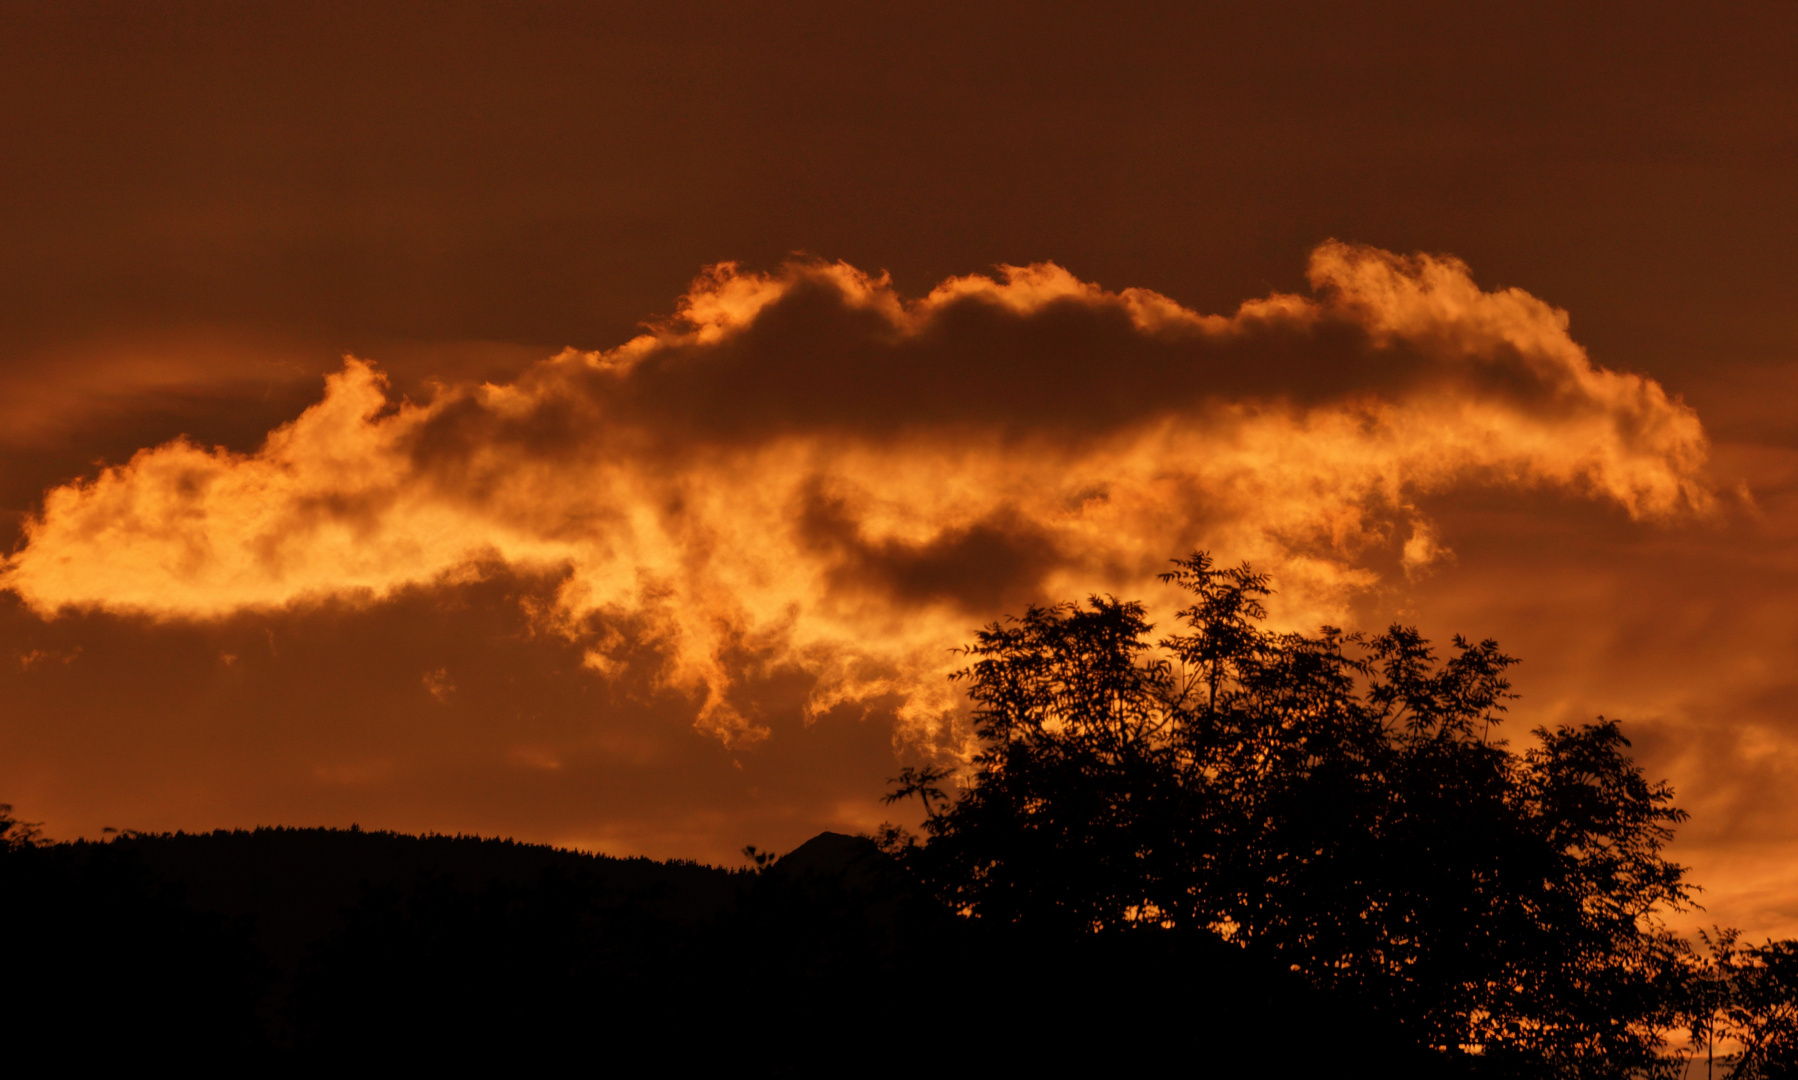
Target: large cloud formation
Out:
[806,470]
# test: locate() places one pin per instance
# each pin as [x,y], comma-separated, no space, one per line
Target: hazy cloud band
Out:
[807,469]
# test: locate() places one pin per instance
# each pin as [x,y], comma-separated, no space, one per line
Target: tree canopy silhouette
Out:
[1337,803]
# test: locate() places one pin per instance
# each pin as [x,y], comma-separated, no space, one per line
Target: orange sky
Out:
[595,424]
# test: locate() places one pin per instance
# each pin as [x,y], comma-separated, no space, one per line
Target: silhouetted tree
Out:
[1334,803]
[1712,986]
[16,834]
[1763,1012]
[1746,995]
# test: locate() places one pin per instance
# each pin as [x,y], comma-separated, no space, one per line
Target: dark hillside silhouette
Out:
[103,961]
[452,952]
[296,890]
[296,882]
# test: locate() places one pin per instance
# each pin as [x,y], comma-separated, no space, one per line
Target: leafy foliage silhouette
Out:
[1745,997]
[1337,804]
[16,835]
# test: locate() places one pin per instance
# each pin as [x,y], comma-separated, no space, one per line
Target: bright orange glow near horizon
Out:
[372,454]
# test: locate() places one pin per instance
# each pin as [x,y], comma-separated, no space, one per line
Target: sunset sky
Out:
[597,424]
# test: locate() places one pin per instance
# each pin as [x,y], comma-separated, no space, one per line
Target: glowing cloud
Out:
[807,469]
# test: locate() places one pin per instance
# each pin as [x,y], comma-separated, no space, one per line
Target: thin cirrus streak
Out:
[807,469]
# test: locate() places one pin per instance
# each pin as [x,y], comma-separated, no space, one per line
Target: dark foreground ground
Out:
[302,951]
